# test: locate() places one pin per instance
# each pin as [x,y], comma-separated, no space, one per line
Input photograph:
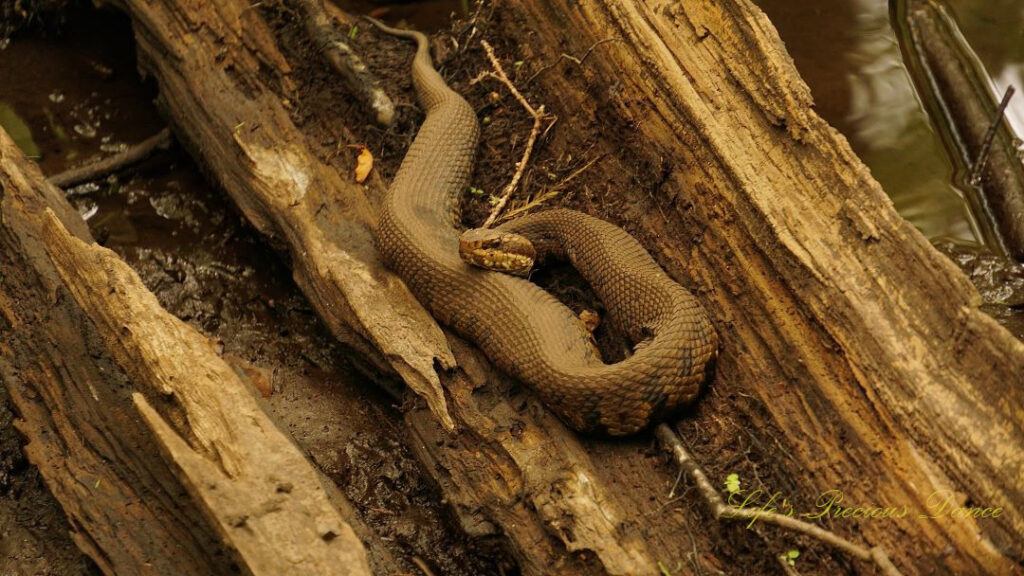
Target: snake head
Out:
[496,250]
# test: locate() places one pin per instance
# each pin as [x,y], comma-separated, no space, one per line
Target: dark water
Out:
[995,30]
[849,52]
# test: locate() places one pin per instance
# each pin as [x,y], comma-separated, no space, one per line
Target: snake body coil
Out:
[520,327]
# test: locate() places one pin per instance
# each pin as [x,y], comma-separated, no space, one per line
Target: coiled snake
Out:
[524,330]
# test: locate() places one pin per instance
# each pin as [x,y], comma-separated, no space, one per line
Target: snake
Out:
[524,330]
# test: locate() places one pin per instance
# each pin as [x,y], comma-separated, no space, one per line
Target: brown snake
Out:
[519,326]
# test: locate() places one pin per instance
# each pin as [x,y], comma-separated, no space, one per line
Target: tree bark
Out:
[864,345]
[815,280]
[159,454]
[854,355]
[240,130]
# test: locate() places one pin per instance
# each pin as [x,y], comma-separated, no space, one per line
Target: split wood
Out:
[538,119]
[721,510]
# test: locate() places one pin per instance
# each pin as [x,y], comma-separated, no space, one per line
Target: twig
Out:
[990,134]
[133,155]
[422,566]
[578,61]
[538,199]
[720,509]
[538,118]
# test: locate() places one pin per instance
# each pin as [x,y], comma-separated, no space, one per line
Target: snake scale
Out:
[521,328]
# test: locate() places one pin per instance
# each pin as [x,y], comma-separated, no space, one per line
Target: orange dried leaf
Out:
[364,163]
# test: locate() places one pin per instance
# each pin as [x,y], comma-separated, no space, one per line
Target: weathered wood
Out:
[105,380]
[211,90]
[816,284]
[209,59]
[843,330]
[888,370]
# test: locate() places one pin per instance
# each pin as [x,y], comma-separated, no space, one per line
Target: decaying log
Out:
[242,133]
[968,109]
[105,381]
[865,346]
[859,344]
[210,90]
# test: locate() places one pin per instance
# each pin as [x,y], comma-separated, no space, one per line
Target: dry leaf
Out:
[363,164]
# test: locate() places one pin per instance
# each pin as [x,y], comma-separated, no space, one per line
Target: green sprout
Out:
[791,556]
[732,483]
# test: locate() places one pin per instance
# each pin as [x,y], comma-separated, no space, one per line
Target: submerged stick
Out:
[133,155]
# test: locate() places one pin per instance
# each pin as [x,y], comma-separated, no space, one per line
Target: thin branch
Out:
[539,198]
[990,134]
[578,61]
[133,155]
[538,119]
[720,509]
[422,566]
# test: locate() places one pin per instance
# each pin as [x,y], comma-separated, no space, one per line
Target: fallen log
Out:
[242,133]
[814,282]
[157,451]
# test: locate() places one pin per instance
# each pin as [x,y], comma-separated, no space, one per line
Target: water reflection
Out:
[850,57]
[995,30]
